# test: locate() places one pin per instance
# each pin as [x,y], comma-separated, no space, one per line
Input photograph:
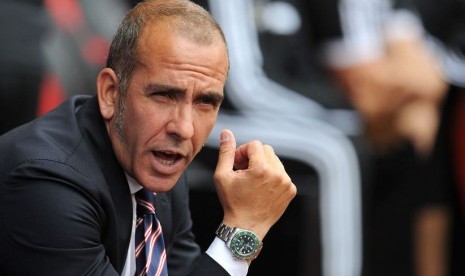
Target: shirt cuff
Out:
[403,25]
[222,255]
[340,54]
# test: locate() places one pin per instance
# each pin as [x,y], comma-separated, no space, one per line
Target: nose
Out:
[181,125]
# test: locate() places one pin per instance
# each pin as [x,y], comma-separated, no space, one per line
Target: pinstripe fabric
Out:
[150,247]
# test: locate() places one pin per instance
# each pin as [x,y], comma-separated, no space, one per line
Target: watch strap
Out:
[225,232]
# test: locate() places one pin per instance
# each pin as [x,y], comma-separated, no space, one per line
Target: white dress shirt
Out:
[366,26]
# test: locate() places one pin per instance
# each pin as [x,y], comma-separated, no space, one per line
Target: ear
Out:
[107,92]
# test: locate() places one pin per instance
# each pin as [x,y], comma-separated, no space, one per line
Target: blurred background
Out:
[361,99]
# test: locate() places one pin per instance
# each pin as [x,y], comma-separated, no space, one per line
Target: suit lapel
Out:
[119,209]
[163,211]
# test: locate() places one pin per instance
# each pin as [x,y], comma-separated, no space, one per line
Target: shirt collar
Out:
[134,186]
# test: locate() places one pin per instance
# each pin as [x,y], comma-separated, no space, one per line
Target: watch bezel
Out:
[237,252]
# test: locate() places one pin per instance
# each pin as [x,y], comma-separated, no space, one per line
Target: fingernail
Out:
[224,136]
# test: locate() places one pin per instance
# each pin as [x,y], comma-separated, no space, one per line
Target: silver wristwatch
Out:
[244,244]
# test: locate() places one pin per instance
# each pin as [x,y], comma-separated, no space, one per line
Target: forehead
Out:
[161,44]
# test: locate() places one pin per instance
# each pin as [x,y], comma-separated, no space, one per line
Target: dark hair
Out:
[189,20]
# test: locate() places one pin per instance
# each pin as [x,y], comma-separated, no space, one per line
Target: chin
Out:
[161,185]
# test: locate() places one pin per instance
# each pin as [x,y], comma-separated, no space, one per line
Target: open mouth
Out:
[167,158]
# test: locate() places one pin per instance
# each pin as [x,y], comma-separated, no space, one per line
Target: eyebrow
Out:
[214,97]
[154,87]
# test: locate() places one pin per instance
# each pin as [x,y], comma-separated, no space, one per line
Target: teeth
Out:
[167,158]
[166,162]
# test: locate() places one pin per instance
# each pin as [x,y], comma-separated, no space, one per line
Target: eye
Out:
[162,95]
[210,101]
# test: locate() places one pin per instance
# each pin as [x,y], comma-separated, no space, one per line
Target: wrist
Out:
[259,229]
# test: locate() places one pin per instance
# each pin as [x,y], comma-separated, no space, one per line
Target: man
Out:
[68,179]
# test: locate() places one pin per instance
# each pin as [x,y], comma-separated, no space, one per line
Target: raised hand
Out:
[252,185]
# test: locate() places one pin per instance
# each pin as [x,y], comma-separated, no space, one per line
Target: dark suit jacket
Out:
[65,205]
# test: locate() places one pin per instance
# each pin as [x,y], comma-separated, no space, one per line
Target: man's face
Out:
[170,107]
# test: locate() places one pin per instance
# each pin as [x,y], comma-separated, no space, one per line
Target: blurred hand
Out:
[418,122]
[419,76]
[396,94]
[252,184]
[415,71]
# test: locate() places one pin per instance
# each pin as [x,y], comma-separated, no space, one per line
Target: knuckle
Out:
[218,176]
[293,190]
[279,177]
[268,148]
[256,143]
[261,172]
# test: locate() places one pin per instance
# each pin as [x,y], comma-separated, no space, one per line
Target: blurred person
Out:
[380,54]
[384,50]
[46,44]
[70,187]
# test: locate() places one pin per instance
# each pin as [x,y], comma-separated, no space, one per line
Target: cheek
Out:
[146,117]
[139,126]
[148,128]
[203,127]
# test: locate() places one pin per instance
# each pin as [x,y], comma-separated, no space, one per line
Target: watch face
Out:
[244,244]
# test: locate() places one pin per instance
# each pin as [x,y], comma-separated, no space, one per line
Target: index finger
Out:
[249,155]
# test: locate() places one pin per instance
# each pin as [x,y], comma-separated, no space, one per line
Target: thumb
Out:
[227,151]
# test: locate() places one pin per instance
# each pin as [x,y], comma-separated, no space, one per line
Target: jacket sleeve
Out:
[50,223]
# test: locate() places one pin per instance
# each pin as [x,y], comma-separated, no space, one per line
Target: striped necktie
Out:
[150,247]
